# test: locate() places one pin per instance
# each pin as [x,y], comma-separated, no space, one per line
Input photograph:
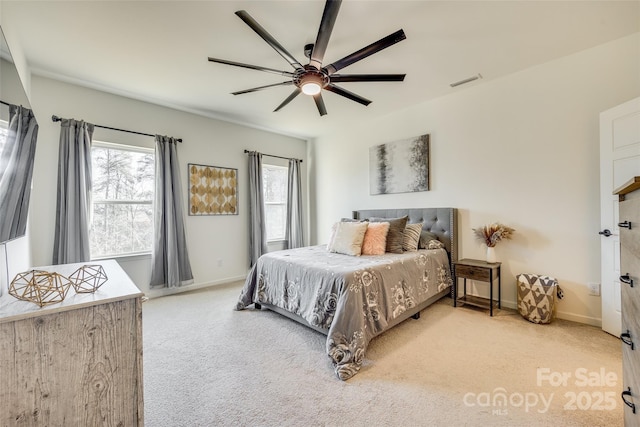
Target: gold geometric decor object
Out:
[88,278]
[213,190]
[40,287]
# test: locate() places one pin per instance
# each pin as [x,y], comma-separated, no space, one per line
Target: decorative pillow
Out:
[435,244]
[411,237]
[375,239]
[425,238]
[396,232]
[352,220]
[332,235]
[348,238]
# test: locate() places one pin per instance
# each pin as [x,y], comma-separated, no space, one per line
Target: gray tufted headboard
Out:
[443,222]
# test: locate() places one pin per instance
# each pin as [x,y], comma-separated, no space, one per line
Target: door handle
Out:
[631,405]
[606,232]
[625,278]
[625,224]
[626,338]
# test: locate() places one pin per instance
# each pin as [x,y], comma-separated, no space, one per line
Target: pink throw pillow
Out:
[375,239]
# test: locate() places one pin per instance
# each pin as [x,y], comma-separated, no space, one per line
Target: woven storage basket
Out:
[537,297]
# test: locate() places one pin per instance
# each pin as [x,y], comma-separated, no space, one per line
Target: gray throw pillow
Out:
[352,220]
[425,237]
[395,236]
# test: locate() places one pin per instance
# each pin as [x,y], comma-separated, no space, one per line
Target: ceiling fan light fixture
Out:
[311,88]
[311,83]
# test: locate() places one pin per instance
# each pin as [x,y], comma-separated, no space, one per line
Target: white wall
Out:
[17,55]
[522,150]
[211,239]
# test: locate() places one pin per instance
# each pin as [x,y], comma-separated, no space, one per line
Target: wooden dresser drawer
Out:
[474,273]
[631,382]
[629,217]
[630,238]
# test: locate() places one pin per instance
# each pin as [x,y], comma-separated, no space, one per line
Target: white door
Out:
[619,162]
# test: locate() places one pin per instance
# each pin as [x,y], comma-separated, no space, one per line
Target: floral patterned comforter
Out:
[352,298]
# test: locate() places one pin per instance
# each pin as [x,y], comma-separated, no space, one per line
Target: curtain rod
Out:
[279,157]
[57,119]
[8,104]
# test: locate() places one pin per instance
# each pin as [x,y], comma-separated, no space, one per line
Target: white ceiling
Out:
[157,50]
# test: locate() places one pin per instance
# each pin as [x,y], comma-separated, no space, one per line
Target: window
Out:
[123,186]
[4,130]
[274,185]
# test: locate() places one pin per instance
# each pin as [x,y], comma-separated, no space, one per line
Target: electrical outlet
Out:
[594,289]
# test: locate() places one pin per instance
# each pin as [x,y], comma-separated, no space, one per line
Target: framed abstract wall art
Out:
[213,190]
[400,166]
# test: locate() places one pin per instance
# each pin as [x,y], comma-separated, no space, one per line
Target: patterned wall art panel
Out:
[213,190]
[400,166]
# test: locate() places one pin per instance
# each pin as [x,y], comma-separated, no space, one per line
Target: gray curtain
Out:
[170,265]
[73,212]
[294,206]
[16,170]
[257,230]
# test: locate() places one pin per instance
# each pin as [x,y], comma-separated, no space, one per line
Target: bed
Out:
[352,299]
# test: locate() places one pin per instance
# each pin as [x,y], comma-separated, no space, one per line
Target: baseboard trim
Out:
[509,304]
[157,293]
[588,320]
[564,315]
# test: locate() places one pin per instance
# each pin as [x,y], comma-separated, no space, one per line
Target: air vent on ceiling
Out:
[469,80]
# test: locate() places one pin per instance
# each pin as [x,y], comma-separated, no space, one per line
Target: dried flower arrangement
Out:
[491,234]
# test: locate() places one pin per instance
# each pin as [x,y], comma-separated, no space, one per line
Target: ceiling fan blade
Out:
[252,67]
[295,93]
[329,16]
[383,43]
[350,95]
[342,78]
[256,89]
[320,104]
[242,14]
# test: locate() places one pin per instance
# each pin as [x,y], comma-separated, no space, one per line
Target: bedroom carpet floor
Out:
[207,365]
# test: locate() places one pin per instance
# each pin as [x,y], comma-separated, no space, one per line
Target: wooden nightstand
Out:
[480,271]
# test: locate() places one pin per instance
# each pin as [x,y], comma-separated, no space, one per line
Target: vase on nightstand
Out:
[491,254]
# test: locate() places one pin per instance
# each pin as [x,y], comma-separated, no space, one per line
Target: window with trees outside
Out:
[122,199]
[274,185]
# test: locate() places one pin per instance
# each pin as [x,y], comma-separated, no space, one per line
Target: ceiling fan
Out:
[310,79]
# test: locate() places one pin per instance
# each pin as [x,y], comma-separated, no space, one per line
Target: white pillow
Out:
[348,238]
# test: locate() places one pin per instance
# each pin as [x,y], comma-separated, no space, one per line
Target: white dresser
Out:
[629,197]
[74,363]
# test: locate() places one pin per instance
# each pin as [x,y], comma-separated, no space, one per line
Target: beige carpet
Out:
[206,365]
